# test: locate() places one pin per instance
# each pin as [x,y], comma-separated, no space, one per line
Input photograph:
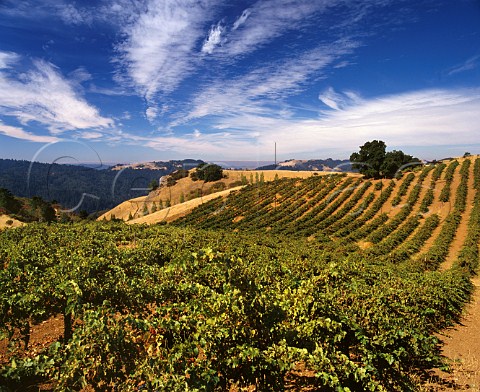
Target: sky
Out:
[141,80]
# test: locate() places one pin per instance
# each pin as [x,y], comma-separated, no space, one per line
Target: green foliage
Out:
[172,314]
[179,174]
[403,189]
[369,159]
[153,185]
[242,304]
[374,162]
[395,161]
[445,194]
[8,202]
[209,172]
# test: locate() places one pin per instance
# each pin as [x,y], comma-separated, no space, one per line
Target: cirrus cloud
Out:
[44,96]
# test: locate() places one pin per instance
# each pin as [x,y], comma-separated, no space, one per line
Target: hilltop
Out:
[338,165]
[193,193]
[164,166]
[83,188]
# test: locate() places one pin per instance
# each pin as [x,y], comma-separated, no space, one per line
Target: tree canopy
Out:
[374,162]
[208,172]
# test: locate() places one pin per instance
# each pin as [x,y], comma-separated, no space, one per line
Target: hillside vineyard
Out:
[329,283]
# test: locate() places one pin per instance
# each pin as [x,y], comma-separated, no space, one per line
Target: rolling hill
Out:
[169,197]
[327,282]
[78,187]
[423,215]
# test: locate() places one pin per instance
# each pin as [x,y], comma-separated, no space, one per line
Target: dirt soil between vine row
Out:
[462,347]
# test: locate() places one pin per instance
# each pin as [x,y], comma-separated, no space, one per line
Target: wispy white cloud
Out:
[90,135]
[80,75]
[241,19]
[214,39]
[70,14]
[44,96]
[7,59]
[256,91]
[419,118]
[269,19]
[151,113]
[157,53]
[19,133]
[74,13]
[338,101]
[424,118]
[468,65]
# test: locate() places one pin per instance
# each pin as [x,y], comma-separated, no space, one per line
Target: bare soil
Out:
[462,230]
[187,187]
[5,218]
[41,336]
[462,347]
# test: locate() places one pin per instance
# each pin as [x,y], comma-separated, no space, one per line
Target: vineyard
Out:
[330,283]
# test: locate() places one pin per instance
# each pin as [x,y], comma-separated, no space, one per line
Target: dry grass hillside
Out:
[193,193]
[6,222]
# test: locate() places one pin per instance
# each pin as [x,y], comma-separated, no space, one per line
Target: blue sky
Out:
[131,81]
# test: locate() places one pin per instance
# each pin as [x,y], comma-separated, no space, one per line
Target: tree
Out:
[171,181]
[47,213]
[182,198]
[373,162]
[369,159]
[208,172]
[83,214]
[9,202]
[64,218]
[394,160]
[153,185]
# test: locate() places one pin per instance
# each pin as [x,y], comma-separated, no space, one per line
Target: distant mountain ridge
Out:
[310,165]
[171,165]
[81,187]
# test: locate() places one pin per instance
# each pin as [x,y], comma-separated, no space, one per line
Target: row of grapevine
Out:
[440,248]
[469,255]
[402,191]
[175,309]
[445,194]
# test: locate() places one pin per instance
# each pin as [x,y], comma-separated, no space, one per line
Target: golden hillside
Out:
[194,193]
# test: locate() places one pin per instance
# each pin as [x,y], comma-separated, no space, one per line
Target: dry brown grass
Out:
[5,218]
[171,213]
[190,189]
